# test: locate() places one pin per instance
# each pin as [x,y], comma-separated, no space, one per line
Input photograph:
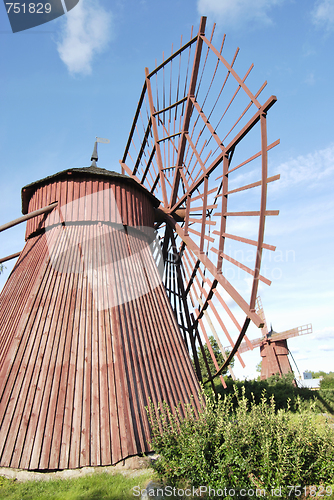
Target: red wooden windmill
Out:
[89,332]
[274,347]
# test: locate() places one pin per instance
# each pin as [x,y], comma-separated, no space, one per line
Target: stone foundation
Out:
[132,466]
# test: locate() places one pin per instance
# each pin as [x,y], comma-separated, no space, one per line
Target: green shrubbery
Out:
[285,393]
[243,444]
[327,381]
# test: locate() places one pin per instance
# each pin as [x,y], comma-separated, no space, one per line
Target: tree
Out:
[317,374]
[327,383]
[218,355]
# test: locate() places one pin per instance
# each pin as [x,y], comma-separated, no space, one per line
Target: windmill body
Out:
[274,358]
[87,333]
[274,349]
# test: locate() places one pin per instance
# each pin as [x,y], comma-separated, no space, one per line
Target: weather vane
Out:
[94,157]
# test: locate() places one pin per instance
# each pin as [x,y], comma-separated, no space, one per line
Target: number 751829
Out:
[29,8]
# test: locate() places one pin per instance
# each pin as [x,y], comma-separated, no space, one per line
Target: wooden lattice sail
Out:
[87,333]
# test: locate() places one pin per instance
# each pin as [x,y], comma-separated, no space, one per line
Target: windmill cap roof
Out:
[29,189]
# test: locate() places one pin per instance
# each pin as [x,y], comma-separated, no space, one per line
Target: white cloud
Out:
[315,167]
[326,347]
[323,14]
[301,357]
[238,12]
[324,334]
[310,79]
[87,32]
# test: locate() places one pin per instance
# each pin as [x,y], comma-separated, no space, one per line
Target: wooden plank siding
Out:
[87,333]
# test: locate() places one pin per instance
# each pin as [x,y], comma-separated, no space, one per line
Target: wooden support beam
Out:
[40,211]
[143,144]
[241,266]
[272,145]
[169,137]
[188,112]
[245,240]
[170,107]
[248,214]
[191,279]
[216,336]
[264,145]
[221,241]
[203,236]
[233,352]
[254,184]
[211,352]
[156,141]
[10,257]
[176,53]
[207,124]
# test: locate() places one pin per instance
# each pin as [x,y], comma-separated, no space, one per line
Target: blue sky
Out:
[80,76]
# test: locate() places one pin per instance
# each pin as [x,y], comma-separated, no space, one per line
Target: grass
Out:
[98,486]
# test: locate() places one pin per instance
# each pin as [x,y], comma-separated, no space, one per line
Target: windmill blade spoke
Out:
[260,311]
[209,303]
[198,338]
[241,266]
[231,70]
[257,155]
[244,346]
[188,112]
[207,123]
[245,240]
[233,352]
[247,214]
[216,337]
[156,138]
[254,184]
[191,278]
[148,164]
[230,103]
[211,351]
[294,332]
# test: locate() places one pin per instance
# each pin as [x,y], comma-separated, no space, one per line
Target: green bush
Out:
[327,383]
[243,445]
[282,388]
